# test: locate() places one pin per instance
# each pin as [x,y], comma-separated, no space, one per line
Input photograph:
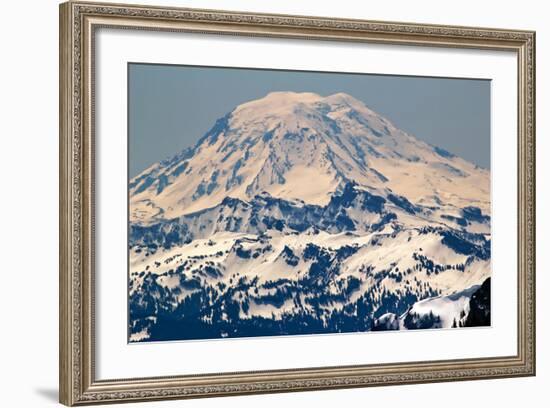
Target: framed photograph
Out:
[256,203]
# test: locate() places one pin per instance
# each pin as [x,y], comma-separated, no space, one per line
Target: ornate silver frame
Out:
[78,22]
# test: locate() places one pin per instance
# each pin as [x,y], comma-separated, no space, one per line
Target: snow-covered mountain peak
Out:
[304,146]
[342,99]
[275,103]
[292,109]
[280,98]
[276,109]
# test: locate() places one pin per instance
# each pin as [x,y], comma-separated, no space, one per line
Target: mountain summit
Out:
[304,147]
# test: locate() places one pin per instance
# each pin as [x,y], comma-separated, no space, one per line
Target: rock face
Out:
[298,213]
[480,306]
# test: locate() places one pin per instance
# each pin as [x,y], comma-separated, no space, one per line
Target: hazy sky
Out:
[172,106]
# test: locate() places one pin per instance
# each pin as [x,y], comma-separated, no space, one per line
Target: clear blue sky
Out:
[172,106]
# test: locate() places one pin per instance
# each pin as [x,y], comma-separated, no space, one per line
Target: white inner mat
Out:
[117,359]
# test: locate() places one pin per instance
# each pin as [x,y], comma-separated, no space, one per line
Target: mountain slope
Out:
[467,308]
[275,143]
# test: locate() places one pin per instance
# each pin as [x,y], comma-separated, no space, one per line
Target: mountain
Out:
[302,214]
[275,143]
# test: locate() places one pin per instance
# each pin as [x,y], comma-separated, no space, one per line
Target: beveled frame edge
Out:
[78,21]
